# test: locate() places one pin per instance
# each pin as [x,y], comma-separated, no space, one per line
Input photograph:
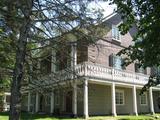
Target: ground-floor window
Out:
[47,99]
[143,99]
[119,97]
[57,97]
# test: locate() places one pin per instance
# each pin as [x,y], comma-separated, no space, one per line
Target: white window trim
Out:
[120,91]
[119,40]
[146,100]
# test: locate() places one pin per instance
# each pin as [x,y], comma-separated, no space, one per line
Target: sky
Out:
[108,9]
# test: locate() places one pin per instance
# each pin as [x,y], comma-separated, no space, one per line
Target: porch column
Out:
[75,99]
[4,101]
[134,101]
[151,100]
[29,101]
[73,64]
[37,102]
[113,100]
[52,102]
[86,98]
[73,54]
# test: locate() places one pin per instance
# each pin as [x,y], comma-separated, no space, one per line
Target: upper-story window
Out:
[155,70]
[139,69]
[45,65]
[115,33]
[63,59]
[116,61]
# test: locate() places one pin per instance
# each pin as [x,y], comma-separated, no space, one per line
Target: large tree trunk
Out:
[15,106]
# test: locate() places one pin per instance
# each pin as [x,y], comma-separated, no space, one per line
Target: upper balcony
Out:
[99,73]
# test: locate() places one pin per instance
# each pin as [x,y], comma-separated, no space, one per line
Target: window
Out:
[47,99]
[155,70]
[139,69]
[63,59]
[8,99]
[119,97]
[116,62]
[115,33]
[143,99]
[45,65]
[57,97]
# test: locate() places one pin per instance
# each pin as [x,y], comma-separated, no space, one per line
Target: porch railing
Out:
[99,72]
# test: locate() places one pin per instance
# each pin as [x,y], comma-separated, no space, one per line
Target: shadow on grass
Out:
[134,119]
[27,116]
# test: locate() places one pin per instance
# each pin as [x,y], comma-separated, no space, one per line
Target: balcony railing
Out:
[97,71]
[109,74]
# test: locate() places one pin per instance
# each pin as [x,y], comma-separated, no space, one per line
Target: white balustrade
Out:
[98,71]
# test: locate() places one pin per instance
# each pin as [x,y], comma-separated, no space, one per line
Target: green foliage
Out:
[145,15]
[7,58]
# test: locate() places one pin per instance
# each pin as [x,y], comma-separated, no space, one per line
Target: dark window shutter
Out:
[136,67]
[111,60]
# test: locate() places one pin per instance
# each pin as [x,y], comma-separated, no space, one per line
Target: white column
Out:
[5,105]
[151,100]
[73,64]
[86,98]
[37,102]
[73,54]
[75,99]
[29,101]
[52,102]
[113,100]
[4,98]
[134,101]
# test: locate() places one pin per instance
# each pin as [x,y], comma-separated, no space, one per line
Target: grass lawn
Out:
[24,116]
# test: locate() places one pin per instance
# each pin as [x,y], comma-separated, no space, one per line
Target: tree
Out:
[7,59]
[145,51]
[40,24]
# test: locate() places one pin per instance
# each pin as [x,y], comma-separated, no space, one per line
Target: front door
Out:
[69,102]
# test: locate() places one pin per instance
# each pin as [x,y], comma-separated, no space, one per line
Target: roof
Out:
[109,16]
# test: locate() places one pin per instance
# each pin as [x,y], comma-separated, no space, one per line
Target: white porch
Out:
[99,98]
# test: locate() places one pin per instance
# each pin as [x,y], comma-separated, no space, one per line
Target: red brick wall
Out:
[100,53]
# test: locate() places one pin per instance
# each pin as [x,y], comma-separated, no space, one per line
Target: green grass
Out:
[24,116]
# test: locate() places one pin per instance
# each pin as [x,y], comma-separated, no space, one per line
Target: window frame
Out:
[146,99]
[123,98]
[112,60]
[140,70]
[115,33]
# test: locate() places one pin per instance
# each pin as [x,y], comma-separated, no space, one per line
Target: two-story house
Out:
[102,86]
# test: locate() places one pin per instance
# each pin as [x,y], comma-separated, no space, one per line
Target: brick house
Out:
[102,87]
